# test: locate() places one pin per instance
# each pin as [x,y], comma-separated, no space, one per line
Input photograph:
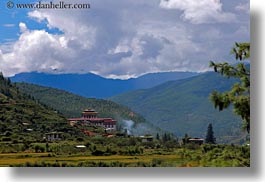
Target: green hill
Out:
[23,119]
[183,106]
[71,105]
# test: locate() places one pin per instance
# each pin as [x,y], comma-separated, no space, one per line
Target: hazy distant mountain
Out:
[91,85]
[183,106]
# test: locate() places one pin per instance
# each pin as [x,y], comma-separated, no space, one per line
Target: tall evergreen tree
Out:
[186,138]
[157,136]
[210,135]
[165,137]
[239,95]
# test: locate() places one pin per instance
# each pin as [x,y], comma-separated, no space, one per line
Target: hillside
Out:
[94,86]
[23,119]
[184,107]
[71,105]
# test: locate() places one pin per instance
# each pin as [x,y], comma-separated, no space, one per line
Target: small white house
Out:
[53,136]
[147,138]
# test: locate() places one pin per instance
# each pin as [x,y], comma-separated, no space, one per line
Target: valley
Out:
[30,112]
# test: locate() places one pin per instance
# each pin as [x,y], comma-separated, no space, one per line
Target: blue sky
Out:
[122,38]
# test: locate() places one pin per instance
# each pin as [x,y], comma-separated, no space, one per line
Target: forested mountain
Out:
[22,118]
[71,105]
[183,106]
[94,86]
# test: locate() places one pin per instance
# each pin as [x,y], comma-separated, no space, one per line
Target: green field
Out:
[188,156]
[23,158]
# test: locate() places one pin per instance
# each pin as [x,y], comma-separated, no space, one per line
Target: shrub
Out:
[6,139]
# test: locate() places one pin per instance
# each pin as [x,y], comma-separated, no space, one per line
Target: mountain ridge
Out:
[71,105]
[183,106]
[93,86]
[23,118]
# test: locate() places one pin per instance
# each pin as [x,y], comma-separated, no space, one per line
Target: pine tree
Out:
[239,95]
[157,136]
[186,138]
[165,137]
[210,135]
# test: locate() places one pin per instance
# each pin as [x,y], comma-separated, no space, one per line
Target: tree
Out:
[157,136]
[47,147]
[186,138]
[165,137]
[239,95]
[210,135]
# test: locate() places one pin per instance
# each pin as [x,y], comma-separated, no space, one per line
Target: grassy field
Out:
[122,152]
[22,158]
[203,156]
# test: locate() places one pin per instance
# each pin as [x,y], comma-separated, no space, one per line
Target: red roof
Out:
[77,119]
[105,120]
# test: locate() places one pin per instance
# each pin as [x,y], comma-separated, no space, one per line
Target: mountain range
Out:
[178,104]
[183,106]
[94,86]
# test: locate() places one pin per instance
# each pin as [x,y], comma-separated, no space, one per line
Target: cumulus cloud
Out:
[35,50]
[245,7]
[121,39]
[198,12]
[22,27]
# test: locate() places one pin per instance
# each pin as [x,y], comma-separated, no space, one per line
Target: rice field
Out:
[22,158]
[204,156]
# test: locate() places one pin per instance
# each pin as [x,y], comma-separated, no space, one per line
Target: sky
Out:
[122,38]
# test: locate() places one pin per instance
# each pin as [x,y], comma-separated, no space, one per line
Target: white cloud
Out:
[1,55]
[7,46]
[22,27]
[122,39]
[245,7]
[200,11]
[121,47]
[155,50]
[78,32]
[35,50]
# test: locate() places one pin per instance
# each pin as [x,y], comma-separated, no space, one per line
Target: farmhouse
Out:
[89,117]
[198,141]
[53,136]
[147,138]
